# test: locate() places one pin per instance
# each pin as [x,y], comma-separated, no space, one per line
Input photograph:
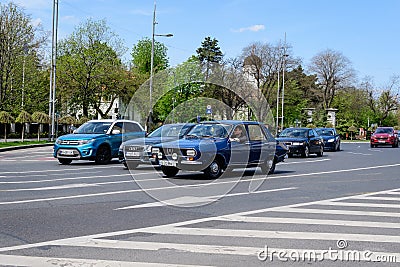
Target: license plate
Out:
[132,154]
[167,163]
[67,152]
[381,141]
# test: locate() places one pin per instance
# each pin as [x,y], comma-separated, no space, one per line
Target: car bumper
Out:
[296,149]
[70,152]
[329,145]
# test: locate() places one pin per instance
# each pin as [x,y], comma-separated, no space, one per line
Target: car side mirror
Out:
[115,131]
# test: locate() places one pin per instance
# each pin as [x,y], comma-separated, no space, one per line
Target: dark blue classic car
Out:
[213,147]
[138,151]
[303,141]
[331,138]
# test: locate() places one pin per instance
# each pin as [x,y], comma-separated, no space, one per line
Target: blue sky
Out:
[365,31]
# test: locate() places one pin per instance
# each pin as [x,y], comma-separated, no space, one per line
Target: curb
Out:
[24,146]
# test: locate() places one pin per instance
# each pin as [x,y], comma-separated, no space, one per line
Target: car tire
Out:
[267,169]
[306,152]
[290,155]
[338,147]
[103,155]
[372,146]
[321,152]
[169,171]
[214,170]
[64,161]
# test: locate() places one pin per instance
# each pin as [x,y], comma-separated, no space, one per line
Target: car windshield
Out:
[383,130]
[93,128]
[170,131]
[325,132]
[299,133]
[210,130]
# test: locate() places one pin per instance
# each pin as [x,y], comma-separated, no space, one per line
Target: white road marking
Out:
[362,154]
[198,185]
[300,162]
[210,249]
[52,261]
[341,212]
[58,187]
[381,198]
[273,234]
[193,200]
[67,169]
[353,204]
[288,220]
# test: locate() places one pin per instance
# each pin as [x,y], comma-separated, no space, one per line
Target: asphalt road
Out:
[334,209]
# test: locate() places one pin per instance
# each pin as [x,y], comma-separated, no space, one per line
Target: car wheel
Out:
[306,152]
[321,152]
[103,155]
[290,155]
[169,171]
[132,165]
[214,170]
[372,146]
[338,147]
[65,161]
[269,167]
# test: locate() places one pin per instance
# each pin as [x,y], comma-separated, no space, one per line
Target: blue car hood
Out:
[195,143]
[80,136]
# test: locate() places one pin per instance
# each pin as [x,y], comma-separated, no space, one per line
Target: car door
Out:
[314,141]
[115,137]
[259,144]
[240,149]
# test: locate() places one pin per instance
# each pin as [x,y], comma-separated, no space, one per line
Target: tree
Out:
[6,118]
[40,118]
[91,73]
[209,51]
[141,56]
[385,101]
[333,71]
[19,44]
[23,118]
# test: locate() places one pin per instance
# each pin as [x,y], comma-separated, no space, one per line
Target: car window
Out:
[118,126]
[325,132]
[210,130]
[290,132]
[384,130]
[93,128]
[130,127]
[256,133]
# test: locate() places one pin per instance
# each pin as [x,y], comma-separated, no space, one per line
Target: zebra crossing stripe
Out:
[341,212]
[286,220]
[14,260]
[272,234]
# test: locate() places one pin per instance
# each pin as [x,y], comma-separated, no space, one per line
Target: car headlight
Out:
[58,141]
[84,142]
[298,143]
[155,150]
[148,148]
[191,152]
[331,140]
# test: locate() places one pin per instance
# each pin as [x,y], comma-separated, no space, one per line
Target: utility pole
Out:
[52,94]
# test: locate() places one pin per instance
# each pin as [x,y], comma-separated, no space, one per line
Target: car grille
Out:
[134,148]
[382,138]
[69,142]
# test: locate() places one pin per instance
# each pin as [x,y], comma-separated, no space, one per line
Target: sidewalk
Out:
[2,149]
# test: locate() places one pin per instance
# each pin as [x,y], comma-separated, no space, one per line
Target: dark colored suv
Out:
[215,146]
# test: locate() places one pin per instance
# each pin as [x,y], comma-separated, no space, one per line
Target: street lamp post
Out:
[53,70]
[150,121]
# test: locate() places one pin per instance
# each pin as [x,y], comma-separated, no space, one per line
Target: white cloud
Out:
[36,22]
[253,28]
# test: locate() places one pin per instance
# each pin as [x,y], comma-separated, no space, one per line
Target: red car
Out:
[384,136]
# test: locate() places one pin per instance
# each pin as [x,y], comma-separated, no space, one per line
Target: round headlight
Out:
[174,156]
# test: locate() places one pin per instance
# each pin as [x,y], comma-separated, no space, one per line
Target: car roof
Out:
[111,120]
